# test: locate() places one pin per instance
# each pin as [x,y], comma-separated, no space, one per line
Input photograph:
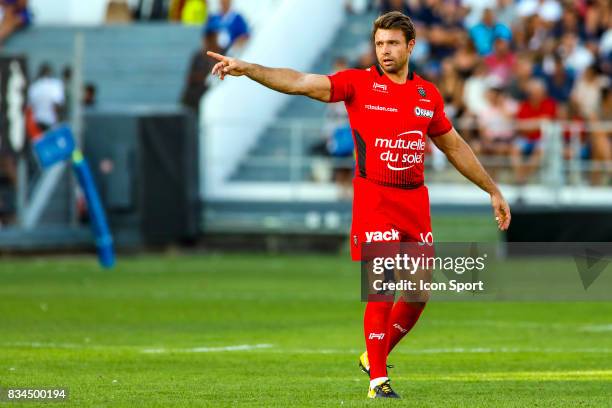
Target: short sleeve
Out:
[439,124]
[342,86]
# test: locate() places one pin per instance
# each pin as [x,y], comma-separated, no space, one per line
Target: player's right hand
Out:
[227,65]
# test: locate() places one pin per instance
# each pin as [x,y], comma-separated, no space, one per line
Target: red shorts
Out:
[388,214]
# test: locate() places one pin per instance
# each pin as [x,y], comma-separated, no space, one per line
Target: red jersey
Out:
[390,122]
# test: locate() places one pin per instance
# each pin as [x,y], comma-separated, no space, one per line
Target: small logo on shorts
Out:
[355,240]
[377,336]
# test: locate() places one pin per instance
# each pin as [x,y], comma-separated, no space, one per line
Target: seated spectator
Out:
[601,145]
[474,91]
[450,86]
[574,131]
[118,12]
[526,153]
[337,142]
[151,10]
[546,10]
[496,123]
[586,93]
[199,68]
[15,15]
[506,12]
[474,9]
[46,97]
[569,23]
[523,72]
[395,5]
[89,95]
[465,58]
[560,82]
[484,33]
[501,61]
[577,57]
[232,27]
[188,12]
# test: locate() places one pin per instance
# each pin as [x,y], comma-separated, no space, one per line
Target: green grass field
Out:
[260,330]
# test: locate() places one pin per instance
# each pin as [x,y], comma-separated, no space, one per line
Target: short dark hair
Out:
[395,20]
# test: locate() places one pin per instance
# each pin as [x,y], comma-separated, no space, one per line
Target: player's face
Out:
[392,51]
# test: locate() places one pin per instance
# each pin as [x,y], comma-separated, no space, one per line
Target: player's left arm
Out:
[465,161]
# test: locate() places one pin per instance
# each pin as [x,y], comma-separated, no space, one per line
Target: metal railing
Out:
[290,151]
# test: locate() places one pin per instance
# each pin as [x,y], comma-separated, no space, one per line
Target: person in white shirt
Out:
[46,98]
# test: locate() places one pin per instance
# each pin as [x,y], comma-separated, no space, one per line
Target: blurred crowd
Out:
[499,61]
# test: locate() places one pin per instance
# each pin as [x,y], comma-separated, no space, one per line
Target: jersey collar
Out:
[381,72]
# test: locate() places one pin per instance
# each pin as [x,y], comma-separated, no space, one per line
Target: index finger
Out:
[216,56]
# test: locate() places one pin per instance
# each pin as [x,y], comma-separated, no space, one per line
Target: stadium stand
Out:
[139,64]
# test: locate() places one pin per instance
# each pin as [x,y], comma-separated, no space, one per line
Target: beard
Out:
[394,67]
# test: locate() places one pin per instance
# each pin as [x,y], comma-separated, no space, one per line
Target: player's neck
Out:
[400,77]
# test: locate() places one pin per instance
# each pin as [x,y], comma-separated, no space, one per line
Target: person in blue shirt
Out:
[231,26]
[487,31]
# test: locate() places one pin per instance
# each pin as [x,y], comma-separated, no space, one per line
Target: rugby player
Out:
[391,111]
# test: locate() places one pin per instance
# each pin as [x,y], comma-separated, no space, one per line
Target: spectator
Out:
[67,84]
[527,152]
[484,33]
[337,143]
[496,124]
[199,68]
[451,89]
[15,15]
[90,95]
[546,10]
[474,92]
[560,82]
[501,61]
[466,58]
[474,9]
[506,12]
[569,23]
[587,93]
[395,5]
[232,27]
[600,142]
[188,12]
[523,72]
[576,56]
[46,97]
[151,10]
[118,12]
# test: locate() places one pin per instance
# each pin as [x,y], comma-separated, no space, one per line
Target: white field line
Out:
[597,328]
[270,348]
[570,327]
[453,350]
[241,347]
[570,375]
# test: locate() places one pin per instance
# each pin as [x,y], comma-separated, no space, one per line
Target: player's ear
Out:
[411,44]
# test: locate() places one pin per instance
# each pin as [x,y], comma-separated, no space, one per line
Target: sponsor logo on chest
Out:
[423,113]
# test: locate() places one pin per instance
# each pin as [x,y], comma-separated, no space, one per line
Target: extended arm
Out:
[279,79]
[462,157]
